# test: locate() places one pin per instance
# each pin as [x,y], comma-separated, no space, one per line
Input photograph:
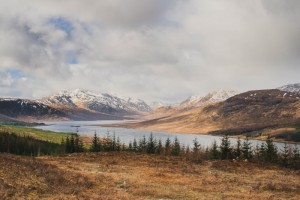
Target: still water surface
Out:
[126,135]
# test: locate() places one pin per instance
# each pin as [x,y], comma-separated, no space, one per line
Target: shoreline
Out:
[241,136]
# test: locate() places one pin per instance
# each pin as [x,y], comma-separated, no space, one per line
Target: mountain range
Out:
[217,110]
[245,112]
[74,105]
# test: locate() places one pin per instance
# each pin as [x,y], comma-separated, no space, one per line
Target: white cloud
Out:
[151,49]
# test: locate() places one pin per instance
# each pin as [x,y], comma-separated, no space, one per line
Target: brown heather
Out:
[121,175]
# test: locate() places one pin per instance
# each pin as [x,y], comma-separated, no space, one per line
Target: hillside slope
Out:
[247,111]
[192,103]
[291,88]
[97,102]
[74,105]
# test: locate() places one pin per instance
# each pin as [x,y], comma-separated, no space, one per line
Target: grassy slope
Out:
[36,133]
[134,176]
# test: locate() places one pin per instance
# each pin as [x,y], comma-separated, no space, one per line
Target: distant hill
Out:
[247,111]
[24,109]
[192,103]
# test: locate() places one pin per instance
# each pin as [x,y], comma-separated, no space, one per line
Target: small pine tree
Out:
[296,157]
[271,151]
[151,145]
[143,144]
[175,147]
[135,146]
[95,144]
[196,147]
[196,157]
[72,144]
[118,144]
[262,152]
[285,155]
[246,149]
[130,146]
[225,148]
[159,148]
[238,149]
[214,153]
[168,146]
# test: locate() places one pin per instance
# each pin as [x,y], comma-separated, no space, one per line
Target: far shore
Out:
[134,125]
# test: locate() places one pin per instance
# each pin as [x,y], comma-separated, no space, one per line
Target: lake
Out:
[126,135]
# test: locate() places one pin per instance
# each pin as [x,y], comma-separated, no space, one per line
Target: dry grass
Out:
[136,176]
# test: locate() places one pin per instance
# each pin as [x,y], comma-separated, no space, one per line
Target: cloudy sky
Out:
[161,50]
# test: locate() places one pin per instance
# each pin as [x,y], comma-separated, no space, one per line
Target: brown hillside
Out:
[247,111]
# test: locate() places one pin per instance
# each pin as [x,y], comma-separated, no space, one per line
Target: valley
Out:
[256,113]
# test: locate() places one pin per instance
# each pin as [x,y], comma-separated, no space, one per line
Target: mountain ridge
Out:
[250,110]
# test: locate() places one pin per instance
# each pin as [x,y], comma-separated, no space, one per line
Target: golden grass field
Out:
[139,176]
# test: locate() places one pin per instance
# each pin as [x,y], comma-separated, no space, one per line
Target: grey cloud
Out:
[152,49]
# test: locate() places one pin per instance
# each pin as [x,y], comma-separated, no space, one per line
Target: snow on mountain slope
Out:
[212,97]
[291,88]
[27,108]
[100,102]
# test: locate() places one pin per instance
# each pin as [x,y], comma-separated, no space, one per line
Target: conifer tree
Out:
[214,153]
[72,144]
[118,144]
[225,148]
[296,157]
[238,149]
[196,147]
[176,147]
[95,147]
[168,146]
[130,146]
[262,153]
[159,148]
[271,151]
[246,149]
[143,144]
[135,146]
[151,145]
[285,155]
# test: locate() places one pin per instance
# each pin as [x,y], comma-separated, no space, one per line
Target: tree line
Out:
[265,153]
[27,145]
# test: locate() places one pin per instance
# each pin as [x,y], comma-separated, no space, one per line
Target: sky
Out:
[155,50]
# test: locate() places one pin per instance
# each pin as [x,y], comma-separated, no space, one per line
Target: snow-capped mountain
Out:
[99,102]
[29,108]
[291,88]
[212,97]
[157,104]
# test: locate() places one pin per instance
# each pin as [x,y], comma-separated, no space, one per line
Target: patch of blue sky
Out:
[62,24]
[15,73]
